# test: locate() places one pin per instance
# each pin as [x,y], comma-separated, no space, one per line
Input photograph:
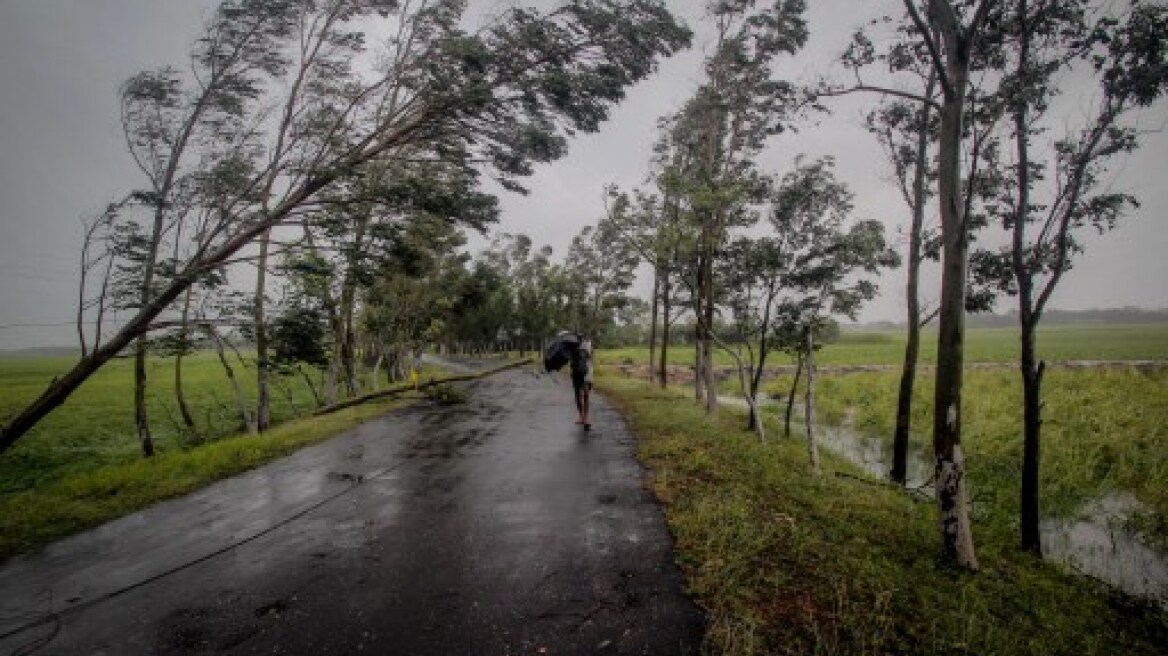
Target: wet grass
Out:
[785,562]
[1104,430]
[886,347]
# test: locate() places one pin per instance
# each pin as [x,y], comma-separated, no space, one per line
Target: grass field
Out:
[1104,430]
[95,426]
[886,347]
[786,562]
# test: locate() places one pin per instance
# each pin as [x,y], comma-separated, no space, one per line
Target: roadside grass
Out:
[82,499]
[1104,430]
[789,563]
[886,347]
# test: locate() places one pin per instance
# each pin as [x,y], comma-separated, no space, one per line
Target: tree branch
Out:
[882,90]
[931,46]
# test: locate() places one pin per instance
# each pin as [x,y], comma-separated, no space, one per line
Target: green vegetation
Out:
[1104,431]
[785,562]
[886,347]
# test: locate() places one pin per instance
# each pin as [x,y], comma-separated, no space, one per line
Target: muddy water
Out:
[1093,542]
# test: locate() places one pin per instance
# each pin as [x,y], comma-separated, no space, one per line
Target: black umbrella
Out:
[559,351]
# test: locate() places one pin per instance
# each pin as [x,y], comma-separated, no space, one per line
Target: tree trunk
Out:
[240,398]
[899,473]
[952,484]
[1031,369]
[791,395]
[331,386]
[1032,432]
[377,373]
[809,406]
[263,393]
[756,375]
[653,319]
[346,336]
[141,421]
[663,372]
[711,383]
[699,377]
[184,335]
[908,374]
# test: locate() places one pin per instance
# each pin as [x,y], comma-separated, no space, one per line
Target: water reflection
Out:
[1096,543]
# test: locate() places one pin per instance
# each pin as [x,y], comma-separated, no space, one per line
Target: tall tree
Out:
[721,130]
[754,273]
[905,129]
[823,256]
[905,132]
[951,33]
[163,117]
[603,265]
[506,95]
[1045,206]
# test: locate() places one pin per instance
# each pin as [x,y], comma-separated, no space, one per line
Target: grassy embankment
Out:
[1104,429]
[82,465]
[786,562]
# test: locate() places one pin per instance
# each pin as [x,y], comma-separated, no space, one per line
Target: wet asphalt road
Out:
[492,527]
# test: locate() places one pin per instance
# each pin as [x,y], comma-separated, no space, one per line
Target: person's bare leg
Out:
[581,403]
[587,390]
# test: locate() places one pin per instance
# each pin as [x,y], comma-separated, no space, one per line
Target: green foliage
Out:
[784,562]
[298,335]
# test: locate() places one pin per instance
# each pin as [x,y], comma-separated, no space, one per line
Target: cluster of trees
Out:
[291,153]
[968,117]
[975,125]
[757,261]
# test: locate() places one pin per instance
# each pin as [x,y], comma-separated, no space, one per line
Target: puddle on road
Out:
[1093,542]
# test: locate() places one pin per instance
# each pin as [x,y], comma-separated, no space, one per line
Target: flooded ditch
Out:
[1095,541]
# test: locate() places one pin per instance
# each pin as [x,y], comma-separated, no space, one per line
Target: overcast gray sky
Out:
[62,156]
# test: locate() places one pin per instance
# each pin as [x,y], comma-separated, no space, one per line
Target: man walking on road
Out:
[581,365]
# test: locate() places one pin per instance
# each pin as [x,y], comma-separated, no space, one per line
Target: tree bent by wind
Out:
[494,101]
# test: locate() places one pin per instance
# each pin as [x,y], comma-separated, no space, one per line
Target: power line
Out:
[51,325]
[36,325]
